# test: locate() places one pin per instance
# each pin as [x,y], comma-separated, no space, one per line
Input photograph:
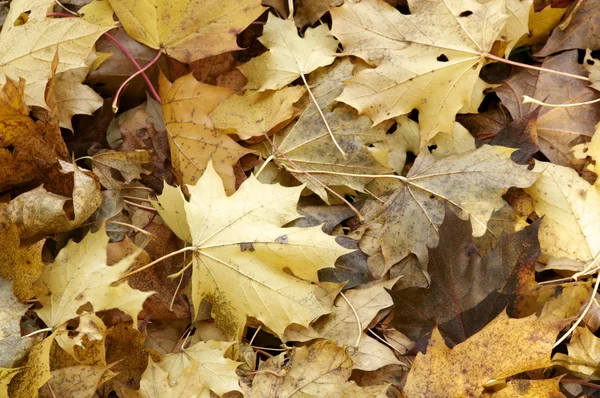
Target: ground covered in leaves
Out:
[305,198]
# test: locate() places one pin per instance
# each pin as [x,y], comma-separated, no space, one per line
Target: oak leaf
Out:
[212,367]
[79,275]
[187,30]
[289,56]
[570,231]
[505,347]
[30,49]
[192,138]
[470,183]
[428,60]
[240,252]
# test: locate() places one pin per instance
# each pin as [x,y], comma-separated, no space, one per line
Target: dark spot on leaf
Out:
[442,58]
[465,13]
[590,62]
[432,196]
[246,246]
[582,193]
[282,239]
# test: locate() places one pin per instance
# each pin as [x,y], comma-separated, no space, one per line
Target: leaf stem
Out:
[528,100]
[312,97]
[37,332]
[264,165]
[403,179]
[115,103]
[358,323]
[514,63]
[582,382]
[176,252]
[129,202]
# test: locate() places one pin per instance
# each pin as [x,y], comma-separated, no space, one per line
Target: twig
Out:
[358,323]
[139,206]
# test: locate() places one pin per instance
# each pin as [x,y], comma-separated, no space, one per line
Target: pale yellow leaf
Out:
[73,97]
[171,210]
[584,355]
[591,149]
[541,25]
[79,275]
[517,24]
[570,231]
[212,366]
[289,55]
[155,384]
[187,30]
[256,113]
[428,60]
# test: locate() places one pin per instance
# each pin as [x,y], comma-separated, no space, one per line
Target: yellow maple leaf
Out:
[187,30]
[155,384]
[591,149]
[36,371]
[503,348]
[570,231]
[240,252]
[541,25]
[428,60]
[192,138]
[584,355]
[213,368]
[30,49]
[79,275]
[289,56]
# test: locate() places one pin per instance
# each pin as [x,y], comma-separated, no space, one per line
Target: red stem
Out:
[582,382]
[125,51]
[115,103]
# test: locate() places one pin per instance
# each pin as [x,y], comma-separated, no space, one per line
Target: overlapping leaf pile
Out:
[339,199]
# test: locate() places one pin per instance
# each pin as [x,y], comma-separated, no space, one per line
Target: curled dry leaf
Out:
[128,164]
[172,27]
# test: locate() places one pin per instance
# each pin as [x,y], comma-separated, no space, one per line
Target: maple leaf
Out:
[517,23]
[212,368]
[503,348]
[310,11]
[29,49]
[128,164]
[576,34]
[584,355]
[29,150]
[192,138]
[36,371]
[12,346]
[428,60]
[155,384]
[466,290]
[76,381]
[181,30]
[341,326]
[241,251]
[471,184]
[529,389]
[570,231]
[541,24]
[591,149]
[559,129]
[256,113]
[289,56]
[319,370]
[79,275]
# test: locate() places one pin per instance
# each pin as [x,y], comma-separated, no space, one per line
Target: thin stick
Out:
[383,341]
[138,188]
[561,280]
[359,325]
[176,252]
[583,314]
[37,332]
[312,97]
[588,269]
[118,223]
[255,334]
[139,206]
[528,100]
[58,3]
[337,195]
[115,103]
[264,165]
[50,388]
[136,198]
[175,294]
[508,61]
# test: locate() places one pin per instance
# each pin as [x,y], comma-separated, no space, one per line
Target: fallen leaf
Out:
[212,365]
[175,28]
[6,375]
[471,184]
[569,233]
[254,113]
[466,290]
[30,49]
[520,134]
[192,138]
[559,129]
[541,24]
[244,242]
[36,371]
[516,24]
[319,370]
[505,347]
[12,346]
[529,389]
[79,275]
[310,11]
[584,355]
[76,381]
[28,149]
[289,56]
[591,149]
[128,164]
[578,34]
[155,384]
[428,60]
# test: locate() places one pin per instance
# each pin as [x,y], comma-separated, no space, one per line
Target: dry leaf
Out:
[79,275]
[12,346]
[128,164]
[289,55]
[310,11]
[240,252]
[541,25]
[192,138]
[6,375]
[584,355]
[36,371]
[591,149]
[428,60]
[74,382]
[529,389]
[505,347]
[181,31]
[471,184]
